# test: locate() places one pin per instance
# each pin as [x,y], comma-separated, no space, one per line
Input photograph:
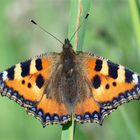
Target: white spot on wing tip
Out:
[121,67]
[4,76]
[135,78]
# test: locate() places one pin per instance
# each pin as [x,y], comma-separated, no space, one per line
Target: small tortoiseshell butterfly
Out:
[55,87]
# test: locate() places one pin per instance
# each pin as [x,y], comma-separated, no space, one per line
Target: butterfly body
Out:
[56,86]
[66,79]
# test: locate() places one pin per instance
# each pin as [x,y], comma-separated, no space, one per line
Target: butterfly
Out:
[56,87]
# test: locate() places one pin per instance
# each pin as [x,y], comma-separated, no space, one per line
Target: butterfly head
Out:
[67,45]
[68,52]
[67,56]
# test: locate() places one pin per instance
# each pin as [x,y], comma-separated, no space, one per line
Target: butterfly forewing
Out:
[112,84]
[24,82]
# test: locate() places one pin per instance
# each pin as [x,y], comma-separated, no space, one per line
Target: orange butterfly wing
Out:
[90,111]
[20,82]
[49,111]
[25,83]
[111,85]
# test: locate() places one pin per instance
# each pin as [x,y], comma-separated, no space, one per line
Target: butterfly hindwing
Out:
[90,111]
[49,111]
[112,84]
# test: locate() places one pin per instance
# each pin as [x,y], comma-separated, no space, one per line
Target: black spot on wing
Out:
[29,85]
[98,65]
[39,81]
[107,86]
[23,82]
[96,81]
[11,73]
[114,84]
[128,76]
[1,74]
[38,64]
[138,79]
[25,68]
[113,70]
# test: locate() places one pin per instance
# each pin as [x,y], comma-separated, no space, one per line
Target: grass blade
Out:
[78,11]
[134,8]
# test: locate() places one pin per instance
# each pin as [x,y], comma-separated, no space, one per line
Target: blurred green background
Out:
[109,33]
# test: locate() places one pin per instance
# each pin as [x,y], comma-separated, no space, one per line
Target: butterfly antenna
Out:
[46,31]
[79,26]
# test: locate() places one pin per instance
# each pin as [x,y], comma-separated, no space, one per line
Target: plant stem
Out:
[68,130]
[78,11]
[134,8]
